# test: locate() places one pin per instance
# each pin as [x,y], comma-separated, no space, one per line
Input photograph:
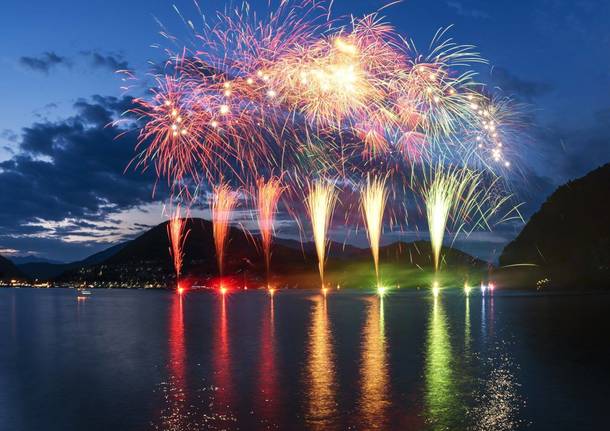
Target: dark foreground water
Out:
[139,360]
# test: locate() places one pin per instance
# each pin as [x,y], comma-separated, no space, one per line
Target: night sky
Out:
[63,190]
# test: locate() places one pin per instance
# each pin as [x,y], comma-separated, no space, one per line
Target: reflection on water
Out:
[174,414]
[443,409]
[375,396]
[221,361]
[497,402]
[467,342]
[320,383]
[351,361]
[268,390]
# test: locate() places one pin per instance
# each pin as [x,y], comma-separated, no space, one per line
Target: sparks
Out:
[320,203]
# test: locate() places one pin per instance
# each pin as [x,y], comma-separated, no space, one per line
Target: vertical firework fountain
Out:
[267,198]
[439,197]
[177,233]
[462,195]
[223,203]
[373,198]
[320,203]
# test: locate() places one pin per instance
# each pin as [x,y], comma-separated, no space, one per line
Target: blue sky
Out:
[552,54]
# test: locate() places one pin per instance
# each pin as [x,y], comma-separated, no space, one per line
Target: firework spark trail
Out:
[268,195]
[320,203]
[177,233]
[463,196]
[224,201]
[373,198]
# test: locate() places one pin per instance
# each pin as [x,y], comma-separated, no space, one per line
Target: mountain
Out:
[568,239]
[146,259]
[47,270]
[32,258]
[8,270]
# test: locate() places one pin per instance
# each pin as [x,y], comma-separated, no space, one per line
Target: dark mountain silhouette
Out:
[32,258]
[146,259]
[569,237]
[45,270]
[9,270]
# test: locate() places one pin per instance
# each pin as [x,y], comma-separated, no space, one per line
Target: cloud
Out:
[462,10]
[108,61]
[516,86]
[45,62]
[9,135]
[67,181]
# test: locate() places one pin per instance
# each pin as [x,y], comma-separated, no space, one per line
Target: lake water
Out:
[140,360]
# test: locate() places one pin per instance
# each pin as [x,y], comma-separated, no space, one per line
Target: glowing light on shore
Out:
[320,203]
[223,203]
[467,289]
[373,198]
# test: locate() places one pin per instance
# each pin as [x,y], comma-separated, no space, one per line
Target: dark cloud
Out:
[466,11]
[110,61]
[519,87]
[9,135]
[72,170]
[45,62]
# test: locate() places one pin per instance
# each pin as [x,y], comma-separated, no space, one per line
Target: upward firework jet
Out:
[463,196]
[320,203]
[223,203]
[373,197]
[268,195]
[177,233]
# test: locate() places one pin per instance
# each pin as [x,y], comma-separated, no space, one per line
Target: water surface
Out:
[140,360]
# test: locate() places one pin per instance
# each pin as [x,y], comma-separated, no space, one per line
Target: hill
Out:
[146,260]
[47,270]
[8,270]
[569,237]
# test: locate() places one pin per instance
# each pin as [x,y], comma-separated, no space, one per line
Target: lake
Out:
[156,360]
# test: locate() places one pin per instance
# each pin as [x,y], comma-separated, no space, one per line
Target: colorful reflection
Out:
[467,339]
[375,397]
[320,379]
[443,408]
[222,362]
[174,415]
[267,394]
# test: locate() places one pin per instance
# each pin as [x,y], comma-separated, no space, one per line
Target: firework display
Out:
[373,200]
[177,233]
[223,202]
[316,97]
[268,194]
[320,203]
